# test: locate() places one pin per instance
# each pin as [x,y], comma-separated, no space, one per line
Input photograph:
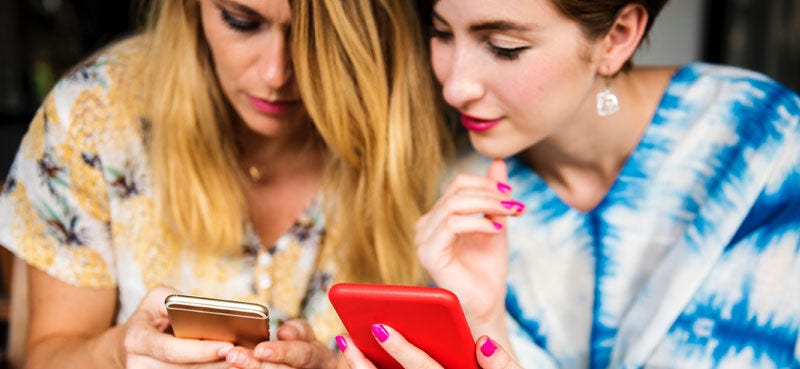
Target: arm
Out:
[71,327]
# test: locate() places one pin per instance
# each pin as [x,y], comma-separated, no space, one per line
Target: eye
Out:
[505,53]
[238,24]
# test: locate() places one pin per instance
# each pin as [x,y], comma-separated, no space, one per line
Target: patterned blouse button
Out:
[264,259]
[265,282]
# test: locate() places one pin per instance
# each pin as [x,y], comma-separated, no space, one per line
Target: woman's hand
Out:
[488,353]
[297,347]
[462,243]
[72,327]
[146,345]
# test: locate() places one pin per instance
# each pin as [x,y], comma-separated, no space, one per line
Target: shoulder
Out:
[748,103]
[103,91]
[738,87]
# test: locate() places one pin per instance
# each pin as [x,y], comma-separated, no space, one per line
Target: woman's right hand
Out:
[145,344]
[489,354]
[462,243]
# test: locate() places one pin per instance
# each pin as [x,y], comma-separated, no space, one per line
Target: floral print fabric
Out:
[78,205]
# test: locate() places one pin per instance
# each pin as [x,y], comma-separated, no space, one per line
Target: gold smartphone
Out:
[243,323]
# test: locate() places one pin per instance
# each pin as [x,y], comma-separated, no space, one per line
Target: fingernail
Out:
[223,351]
[488,347]
[380,332]
[497,225]
[262,353]
[503,188]
[513,204]
[341,343]
[237,358]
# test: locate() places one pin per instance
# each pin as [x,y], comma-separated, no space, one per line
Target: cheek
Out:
[440,60]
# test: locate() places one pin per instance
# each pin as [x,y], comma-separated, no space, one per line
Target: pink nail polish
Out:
[513,204]
[380,332]
[488,347]
[341,343]
[503,188]
[497,225]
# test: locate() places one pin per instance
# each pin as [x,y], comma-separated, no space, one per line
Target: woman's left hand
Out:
[489,354]
[296,347]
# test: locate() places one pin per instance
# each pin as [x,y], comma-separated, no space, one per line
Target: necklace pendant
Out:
[254,173]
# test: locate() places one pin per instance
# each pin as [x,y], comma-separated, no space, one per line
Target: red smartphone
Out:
[428,317]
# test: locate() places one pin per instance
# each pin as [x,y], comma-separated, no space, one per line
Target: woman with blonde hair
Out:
[195,155]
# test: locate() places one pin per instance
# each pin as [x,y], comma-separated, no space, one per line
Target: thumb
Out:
[490,355]
[498,171]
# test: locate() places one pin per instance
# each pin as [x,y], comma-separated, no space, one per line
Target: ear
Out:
[622,39]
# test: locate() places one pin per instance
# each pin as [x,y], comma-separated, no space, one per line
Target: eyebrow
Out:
[495,25]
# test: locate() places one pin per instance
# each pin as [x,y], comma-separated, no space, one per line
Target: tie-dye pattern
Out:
[692,260]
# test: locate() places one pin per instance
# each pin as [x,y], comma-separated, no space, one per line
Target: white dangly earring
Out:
[607,102]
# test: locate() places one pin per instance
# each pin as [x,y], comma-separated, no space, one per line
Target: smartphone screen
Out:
[430,318]
[242,323]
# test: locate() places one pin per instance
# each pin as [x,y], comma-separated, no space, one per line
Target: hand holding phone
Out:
[242,323]
[429,318]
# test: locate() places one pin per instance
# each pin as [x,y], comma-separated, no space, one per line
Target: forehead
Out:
[277,11]
[534,12]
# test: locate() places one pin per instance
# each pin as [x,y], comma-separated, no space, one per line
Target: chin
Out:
[494,149]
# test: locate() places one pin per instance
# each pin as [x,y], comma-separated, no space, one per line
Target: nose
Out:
[275,66]
[462,83]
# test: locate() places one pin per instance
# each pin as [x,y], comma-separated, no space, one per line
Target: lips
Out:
[272,107]
[478,124]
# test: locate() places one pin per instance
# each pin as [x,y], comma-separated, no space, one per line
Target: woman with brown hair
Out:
[631,217]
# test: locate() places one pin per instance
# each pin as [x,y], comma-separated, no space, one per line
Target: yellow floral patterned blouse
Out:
[78,205]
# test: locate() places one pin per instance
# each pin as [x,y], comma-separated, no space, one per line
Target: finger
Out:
[148,362]
[352,355]
[462,181]
[296,329]
[498,171]
[466,202]
[147,341]
[152,308]
[296,354]
[408,355]
[438,247]
[491,356]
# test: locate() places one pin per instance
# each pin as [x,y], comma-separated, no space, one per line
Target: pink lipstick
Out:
[271,107]
[477,124]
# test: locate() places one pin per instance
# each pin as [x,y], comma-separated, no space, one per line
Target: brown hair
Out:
[597,17]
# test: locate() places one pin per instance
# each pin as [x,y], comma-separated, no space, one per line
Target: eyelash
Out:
[499,52]
[506,53]
[237,24]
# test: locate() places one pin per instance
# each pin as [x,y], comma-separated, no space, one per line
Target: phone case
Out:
[242,323]
[428,317]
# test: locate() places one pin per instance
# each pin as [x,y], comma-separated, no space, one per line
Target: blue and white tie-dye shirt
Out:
[692,260]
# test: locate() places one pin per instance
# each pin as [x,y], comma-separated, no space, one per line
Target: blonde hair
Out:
[197,189]
[366,82]
[364,76]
